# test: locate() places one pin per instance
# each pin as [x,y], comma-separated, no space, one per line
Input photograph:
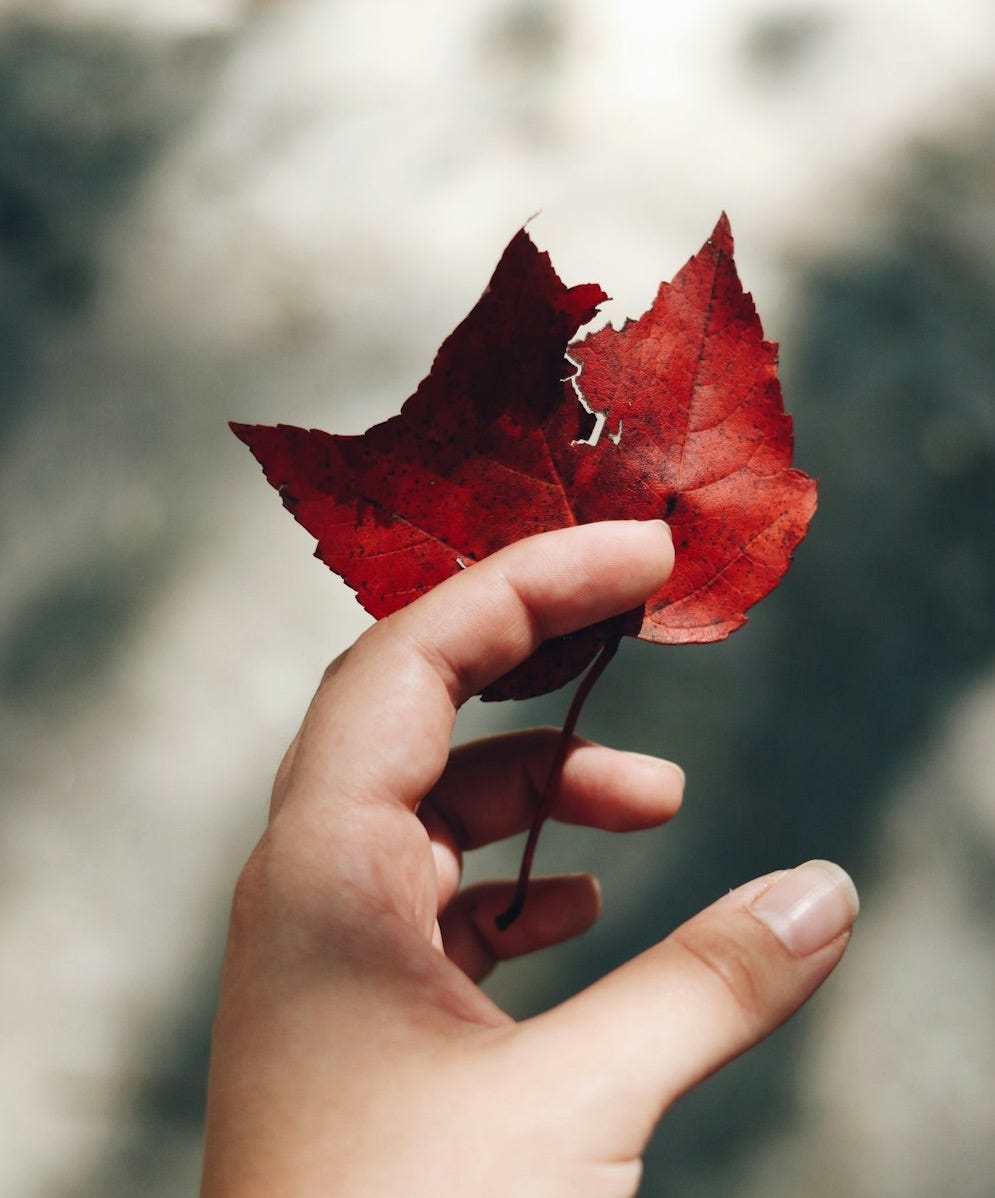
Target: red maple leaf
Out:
[676,415]
[496,444]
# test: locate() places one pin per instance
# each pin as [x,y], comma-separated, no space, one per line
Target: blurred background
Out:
[219,209]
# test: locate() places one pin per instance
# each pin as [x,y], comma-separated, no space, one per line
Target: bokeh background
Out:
[215,209]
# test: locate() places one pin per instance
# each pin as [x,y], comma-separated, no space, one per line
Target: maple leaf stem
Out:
[552,784]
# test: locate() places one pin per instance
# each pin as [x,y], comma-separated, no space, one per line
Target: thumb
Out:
[632,1043]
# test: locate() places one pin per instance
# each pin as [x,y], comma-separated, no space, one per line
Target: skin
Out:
[353,1052]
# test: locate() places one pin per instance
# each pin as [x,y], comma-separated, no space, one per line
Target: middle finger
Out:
[490,789]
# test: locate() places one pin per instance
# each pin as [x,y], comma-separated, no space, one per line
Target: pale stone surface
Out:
[288,206]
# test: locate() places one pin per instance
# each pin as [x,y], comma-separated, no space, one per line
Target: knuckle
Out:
[523,603]
[724,960]
[332,669]
[249,897]
[272,889]
[268,878]
[247,906]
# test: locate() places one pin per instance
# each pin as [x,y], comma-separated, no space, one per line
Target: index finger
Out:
[378,728]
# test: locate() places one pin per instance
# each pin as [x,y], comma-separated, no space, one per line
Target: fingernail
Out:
[808,907]
[662,523]
[656,765]
[675,768]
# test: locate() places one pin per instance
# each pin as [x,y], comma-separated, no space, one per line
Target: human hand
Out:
[353,1053]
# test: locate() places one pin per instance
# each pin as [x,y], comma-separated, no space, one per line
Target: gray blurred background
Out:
[215,209]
